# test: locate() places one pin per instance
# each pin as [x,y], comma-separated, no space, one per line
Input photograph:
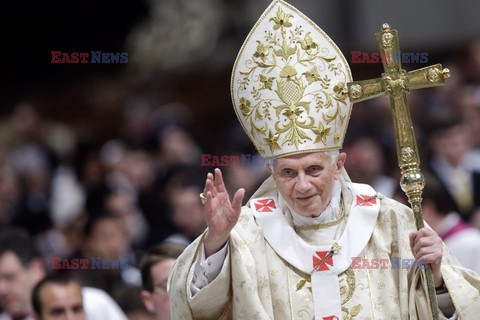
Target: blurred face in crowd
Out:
[364,161]
[178,146]
[61,302]
[138,168]
[305,181]
[187,211]
[452,144]
[108,238]
[158,301]
[17,282]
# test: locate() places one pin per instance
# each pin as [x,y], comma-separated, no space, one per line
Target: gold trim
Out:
[367,271]
[454,300]
[287,266]
[348,75]
[340,218]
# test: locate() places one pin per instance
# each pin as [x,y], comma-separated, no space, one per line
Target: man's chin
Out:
[308,212]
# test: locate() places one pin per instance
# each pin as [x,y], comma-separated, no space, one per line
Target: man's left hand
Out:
[427,247]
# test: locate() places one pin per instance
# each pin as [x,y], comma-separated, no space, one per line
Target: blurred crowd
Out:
[76,197]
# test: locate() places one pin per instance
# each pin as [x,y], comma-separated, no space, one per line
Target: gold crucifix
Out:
[396,82]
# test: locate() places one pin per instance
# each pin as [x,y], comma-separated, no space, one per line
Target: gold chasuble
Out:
[290,91]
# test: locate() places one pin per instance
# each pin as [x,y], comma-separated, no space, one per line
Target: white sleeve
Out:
[206,270]
[446,306]
[98,305]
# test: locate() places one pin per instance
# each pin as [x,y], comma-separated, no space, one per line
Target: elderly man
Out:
[310,244]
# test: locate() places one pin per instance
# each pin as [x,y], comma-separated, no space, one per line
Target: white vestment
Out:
[265,275]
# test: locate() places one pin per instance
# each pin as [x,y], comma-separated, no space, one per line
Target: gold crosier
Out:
[396,82]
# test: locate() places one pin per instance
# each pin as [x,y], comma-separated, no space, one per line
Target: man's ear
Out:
[38,269]
[342,157]
[147,300]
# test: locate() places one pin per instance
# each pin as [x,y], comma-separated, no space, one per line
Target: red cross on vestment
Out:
[365,200]
[323,262]
[265,205]
[330,318]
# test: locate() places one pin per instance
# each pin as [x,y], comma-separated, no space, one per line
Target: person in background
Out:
[456,163]
[21,268]
[106,237]
[366,165]
[182,189]
[155,267]
[58,297]
[439,212]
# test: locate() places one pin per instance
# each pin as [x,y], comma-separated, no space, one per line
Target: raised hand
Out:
[427,246]
[221,214]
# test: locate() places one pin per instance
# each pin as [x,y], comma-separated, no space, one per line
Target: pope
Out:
[287,254]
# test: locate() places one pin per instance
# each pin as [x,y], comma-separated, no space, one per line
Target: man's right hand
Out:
[221,214]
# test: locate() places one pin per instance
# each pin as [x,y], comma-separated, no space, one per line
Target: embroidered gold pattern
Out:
[348,285]
[291,86]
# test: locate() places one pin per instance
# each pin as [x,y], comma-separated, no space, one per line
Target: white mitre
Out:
[289,85]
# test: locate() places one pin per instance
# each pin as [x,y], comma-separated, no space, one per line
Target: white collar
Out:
[330,213]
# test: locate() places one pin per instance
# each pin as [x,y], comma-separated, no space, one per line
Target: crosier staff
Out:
[396,82]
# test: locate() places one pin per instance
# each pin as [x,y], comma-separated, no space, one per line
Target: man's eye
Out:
[314,170]
[57,312]
[288,173]
[78,309]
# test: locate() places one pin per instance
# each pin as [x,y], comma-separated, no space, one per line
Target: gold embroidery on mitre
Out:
[289,85]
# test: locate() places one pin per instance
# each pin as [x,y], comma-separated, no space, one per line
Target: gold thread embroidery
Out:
[349,290]
[286,48]
[370,290]
[288,267]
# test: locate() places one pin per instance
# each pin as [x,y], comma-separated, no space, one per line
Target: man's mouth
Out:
[305,198]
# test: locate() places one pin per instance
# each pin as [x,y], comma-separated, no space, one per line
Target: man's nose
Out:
[302,184]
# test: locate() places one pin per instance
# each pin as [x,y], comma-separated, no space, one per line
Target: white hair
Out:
[333,154]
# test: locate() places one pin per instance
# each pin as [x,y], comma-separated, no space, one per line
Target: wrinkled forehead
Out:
[303,160]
